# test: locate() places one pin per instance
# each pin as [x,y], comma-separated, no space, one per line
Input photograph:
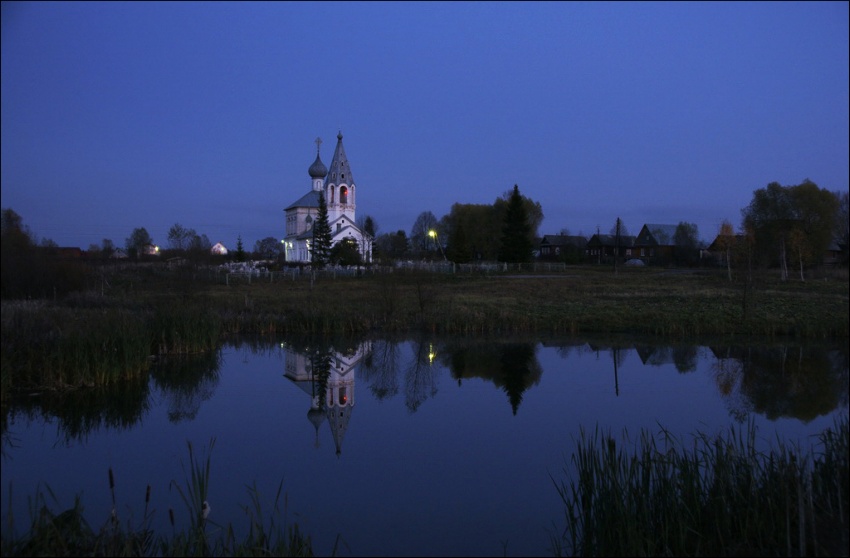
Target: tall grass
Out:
[69,534]
[714,497]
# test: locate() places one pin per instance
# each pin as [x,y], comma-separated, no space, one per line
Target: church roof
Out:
[340,172]
[310,199]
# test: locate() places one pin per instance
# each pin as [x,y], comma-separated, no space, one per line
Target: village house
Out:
[655,243]
[603,247]
[562,247]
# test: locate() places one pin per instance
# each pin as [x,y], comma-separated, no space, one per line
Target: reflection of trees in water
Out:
[683,357]
[511,366]
[728,372]
[187,381]
[520,369]
[420,378]
[83,411]
[380,369]
[782,380]
[320,367]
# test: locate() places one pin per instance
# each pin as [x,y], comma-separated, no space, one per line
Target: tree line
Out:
[789,227]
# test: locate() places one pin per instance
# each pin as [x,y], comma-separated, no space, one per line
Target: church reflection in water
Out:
[326,375]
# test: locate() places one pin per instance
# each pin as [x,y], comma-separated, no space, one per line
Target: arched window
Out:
[332,194]
[343,195]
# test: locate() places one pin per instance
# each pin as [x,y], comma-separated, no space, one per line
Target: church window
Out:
[332,194]
[343,195]
[342,176]
[338,227]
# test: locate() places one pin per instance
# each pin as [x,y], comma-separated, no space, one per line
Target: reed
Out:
[717,496]
[69,534]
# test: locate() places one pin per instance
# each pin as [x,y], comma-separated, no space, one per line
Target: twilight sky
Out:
[145,114]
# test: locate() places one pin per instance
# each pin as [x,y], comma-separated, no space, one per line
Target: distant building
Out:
[340,191]
[218,250]
[561,246]
[655,243]
[603,247]
[150,250]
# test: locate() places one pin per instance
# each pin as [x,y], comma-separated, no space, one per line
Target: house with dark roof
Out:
[604,247]
[655,243]
[562,247]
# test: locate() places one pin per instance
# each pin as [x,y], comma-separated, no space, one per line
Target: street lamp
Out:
[433,234]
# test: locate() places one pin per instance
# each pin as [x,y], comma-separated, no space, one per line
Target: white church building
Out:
[340,192]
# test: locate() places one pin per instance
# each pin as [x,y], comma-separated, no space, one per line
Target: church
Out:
[340,192]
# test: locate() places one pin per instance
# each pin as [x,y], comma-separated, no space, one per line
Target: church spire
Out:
[340,171]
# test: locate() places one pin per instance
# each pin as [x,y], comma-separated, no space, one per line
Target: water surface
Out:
[422,446]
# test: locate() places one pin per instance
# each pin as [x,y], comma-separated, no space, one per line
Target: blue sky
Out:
[143,114]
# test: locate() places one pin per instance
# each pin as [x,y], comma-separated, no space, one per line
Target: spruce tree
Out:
[320,247]
[516,246]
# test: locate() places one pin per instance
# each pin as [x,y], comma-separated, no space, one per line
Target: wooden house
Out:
[655,243]
[603,247]
[562,247]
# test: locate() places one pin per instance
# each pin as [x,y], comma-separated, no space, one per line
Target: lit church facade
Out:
[337,184]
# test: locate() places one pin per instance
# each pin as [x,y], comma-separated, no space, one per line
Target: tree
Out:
[268,248]
[815,211]
[136,242]
[200,244]
[686,240]
[180,238]
[516,244]
[392,246]
[459,250]
[240,250]
[482,225]
[726,241]
[419,237]
[20,264]
[368,226]
[12,222]
[320,247]
[776,211]
[842,223]
[619,224]
[533,211]
[346,252]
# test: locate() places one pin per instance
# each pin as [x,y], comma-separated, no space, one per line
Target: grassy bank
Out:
[104,335]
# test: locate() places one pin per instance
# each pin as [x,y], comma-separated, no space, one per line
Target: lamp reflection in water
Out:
[327,375]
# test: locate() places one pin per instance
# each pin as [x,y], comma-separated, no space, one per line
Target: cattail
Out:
[111,480]
[171,516]
[148,494]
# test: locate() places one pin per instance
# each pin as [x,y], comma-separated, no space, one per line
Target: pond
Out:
[412,447]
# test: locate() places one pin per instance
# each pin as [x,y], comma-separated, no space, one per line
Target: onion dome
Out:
[318,169]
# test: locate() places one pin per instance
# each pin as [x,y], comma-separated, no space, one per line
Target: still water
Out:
[414,447]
